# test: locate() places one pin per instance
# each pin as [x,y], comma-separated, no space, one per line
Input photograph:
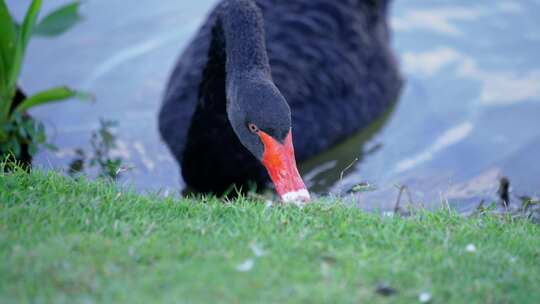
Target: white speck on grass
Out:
[326,270]
[470,248]
[303,233]
[388,214]
[257,250]
[131,251]
[424,297]
[245,266]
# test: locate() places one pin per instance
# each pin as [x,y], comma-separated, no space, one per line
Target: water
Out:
[469,113]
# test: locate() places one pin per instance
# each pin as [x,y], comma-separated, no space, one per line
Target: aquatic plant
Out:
[103,142]
[20,134]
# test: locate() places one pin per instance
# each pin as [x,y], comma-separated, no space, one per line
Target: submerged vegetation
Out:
[66,240]
[103,141]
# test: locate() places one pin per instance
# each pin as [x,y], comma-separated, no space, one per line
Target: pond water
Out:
[469,113]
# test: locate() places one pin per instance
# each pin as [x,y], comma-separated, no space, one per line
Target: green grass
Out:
[63,241]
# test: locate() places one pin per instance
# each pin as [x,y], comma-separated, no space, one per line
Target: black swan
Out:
[255,69]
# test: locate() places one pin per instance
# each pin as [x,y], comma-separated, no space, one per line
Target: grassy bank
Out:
[73,242]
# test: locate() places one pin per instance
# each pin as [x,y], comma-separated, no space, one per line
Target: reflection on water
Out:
[323,171]
[468,114]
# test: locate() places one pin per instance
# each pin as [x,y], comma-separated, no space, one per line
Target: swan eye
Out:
[253,128]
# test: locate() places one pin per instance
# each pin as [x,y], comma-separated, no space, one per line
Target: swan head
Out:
[261,118]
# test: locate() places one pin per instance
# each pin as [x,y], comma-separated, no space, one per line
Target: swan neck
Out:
[243,29]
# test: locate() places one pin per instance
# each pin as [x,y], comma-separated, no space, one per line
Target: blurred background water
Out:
[469,113]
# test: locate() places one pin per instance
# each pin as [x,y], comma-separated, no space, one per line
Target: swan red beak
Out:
[278,158]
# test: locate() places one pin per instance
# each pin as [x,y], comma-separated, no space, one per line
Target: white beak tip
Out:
[299,197]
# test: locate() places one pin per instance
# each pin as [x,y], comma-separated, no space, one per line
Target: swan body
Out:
[328,65]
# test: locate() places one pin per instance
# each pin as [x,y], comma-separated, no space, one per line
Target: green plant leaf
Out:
[59,20]
[14,147]
[3,136]
[8,39]
[8,42]
[24,35]
[3,76]
[32,149]
[49,96]
[5,100]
